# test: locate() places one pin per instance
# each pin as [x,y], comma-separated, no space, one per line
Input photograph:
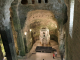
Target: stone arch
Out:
[39,16]
[37,19]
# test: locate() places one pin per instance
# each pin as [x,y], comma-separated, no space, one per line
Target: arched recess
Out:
[46,1]
[36,20]
[33,1]
[39,1]
[24,1]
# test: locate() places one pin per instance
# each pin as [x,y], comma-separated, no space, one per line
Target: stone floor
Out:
[32,55]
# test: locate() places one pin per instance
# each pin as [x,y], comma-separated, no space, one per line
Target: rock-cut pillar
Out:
[8,42]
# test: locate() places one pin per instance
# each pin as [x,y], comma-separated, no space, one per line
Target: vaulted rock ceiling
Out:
[38,19]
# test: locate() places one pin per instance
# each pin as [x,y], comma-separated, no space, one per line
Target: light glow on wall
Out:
[30,30]
[71,17]
[25,33]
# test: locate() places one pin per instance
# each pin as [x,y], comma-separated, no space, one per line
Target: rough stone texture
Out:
[40,19]
[73,43]
[17,27]
[14,35]
[19,12]
[5,26]
[5,13]
[29,41]
[8,43]
[57,8]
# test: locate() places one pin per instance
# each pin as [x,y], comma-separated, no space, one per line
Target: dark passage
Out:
[39,1]
[24,1]
[46,1]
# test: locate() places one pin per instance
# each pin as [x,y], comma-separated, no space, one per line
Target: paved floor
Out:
[40,56]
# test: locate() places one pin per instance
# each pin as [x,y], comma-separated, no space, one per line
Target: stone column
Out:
[29,1]
[25,42]
[29,41]
[42,1]
[36,1]
[16,22]
[8,42]
[20,43]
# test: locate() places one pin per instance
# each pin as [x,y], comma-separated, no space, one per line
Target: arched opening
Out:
[31,30]
[24,1]
[46,1]
[33,1]
[39,1]
[40,27]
